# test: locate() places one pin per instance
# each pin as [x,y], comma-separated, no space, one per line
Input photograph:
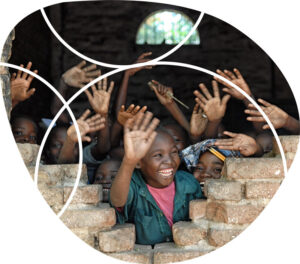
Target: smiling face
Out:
[178,135]
[57,139]
[105,175]
[161,161]
[24,131]
[209,166]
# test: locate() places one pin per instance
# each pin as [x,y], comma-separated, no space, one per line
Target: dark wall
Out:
[106,31]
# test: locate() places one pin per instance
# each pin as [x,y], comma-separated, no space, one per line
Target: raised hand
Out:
[19,85]
[246,145]
[161,92]
[276,115]
[86,125]
[131,111]
[80,75]
[139,134]
[198,122]
[214,107]
[237,78]
[140,59]
[101,96]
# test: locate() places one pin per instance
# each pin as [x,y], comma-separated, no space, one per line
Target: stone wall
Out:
[232,204]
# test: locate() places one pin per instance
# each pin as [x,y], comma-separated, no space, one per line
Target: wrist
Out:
[129,161]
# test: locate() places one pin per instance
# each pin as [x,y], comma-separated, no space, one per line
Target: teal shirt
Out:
[151,225]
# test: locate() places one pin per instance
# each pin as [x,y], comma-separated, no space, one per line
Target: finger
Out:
[252,112]
[122,108]
[230,74]
[143,109]
[137,120]
[104,84]
[255,119]
[230,134]
[223,144]
[266,126]
[93,119]
[13,77]
[128,125]
[225,99]
[94,89]
[136,109]
[227,147]
[151,138]
[228,90]
[196,108]
[200,97]
[198,101]
[30,92]
[86,138]
[146,121]
[215,89]
[31,77]
[96,73]
[238,74]
[88,94]
[19,71]
[25,74]
[85,114]
[205,90]
[111,87]
[90,68]
[263,102]
[146,54]
[130,108]
[153,125]
[81,64]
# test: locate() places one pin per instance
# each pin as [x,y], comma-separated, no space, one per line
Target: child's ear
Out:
[138,165]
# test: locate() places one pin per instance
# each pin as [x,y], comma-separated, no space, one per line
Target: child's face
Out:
[178,137]
[161,161]
[56,142]
[209,166]
[105,174]
[24,131]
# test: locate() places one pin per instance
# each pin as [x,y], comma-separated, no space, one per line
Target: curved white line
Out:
[109,65]
[49,129]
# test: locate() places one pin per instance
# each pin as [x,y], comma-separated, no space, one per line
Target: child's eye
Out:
[18,133]
[218,170]
[32,138]
[198,169]
[158,155]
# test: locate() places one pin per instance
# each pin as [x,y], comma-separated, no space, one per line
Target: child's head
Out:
[179,135]
[209,166]
[24,130]
[55,142]
[161,161]
[105,174]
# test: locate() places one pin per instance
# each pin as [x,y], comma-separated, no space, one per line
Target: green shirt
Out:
[151,225]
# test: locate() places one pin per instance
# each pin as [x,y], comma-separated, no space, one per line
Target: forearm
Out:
[116,134]
[56,103]
[103,143]
[178,115]
[211,130]
[122,94]
[292,125]
[66,154]
[120,186]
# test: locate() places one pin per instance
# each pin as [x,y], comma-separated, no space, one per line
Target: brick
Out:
[253,168]
[169,253]
[52,195]
[219,237]
[197,209]
[261,189]
[98,217]
[70,172]
[289,144]
[90,194]
[119,238]
[187,233]
[28,152]
[85,235]
[232,214]
[140,254]
[224,190]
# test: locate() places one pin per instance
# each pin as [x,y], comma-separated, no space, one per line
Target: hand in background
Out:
[161,92]
[140,59]
[198,122]
[131,111]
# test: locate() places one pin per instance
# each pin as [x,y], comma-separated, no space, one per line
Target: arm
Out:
[246,145]
[19,85]
[213,107]
[139,134]
[86,125]
[277,116]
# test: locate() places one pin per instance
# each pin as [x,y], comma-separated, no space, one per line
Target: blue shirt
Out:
[151,225]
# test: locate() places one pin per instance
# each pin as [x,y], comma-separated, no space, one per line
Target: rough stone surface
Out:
[28,152]
[90,194]
[100,218]
[119,238]
[261,189]
[85,235]
[52,195]
[224,190]
[219,237]
[197,209]
[232,214]
[289,144]
[187,233]
[253,168]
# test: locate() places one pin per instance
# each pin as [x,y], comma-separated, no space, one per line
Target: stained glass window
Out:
[166,27]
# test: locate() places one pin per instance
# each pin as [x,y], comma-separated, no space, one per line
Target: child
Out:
[24,129]
[148,190]
[179,135]
[105,174]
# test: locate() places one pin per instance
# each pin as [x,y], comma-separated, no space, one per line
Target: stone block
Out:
[261,189]
[187,233]
[197,209]
[289,144]
[224,190]
[28,152]
[90,194]
[84,234]
[219,237]
[119,238]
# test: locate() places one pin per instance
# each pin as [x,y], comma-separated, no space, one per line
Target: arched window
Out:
[166,27]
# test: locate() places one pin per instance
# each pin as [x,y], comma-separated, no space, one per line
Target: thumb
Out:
[30,92]
[225,99]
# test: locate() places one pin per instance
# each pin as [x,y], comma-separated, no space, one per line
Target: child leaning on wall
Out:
[148,190]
